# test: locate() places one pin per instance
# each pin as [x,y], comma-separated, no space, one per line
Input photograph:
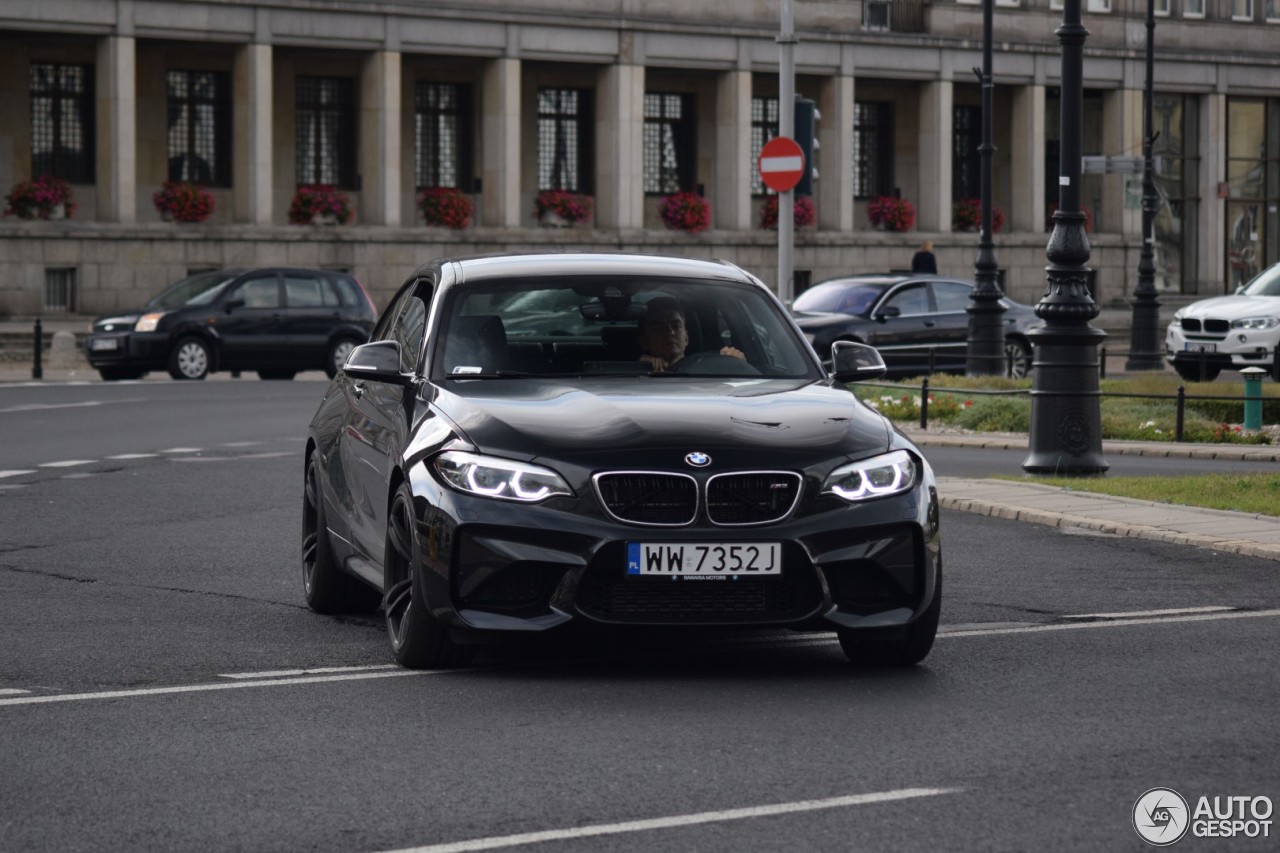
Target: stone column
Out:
[1212,249]
[251,136]
[1028,209]
[835,154]
[380,138]
[934,204]
[500,140]
[117,157]
[1121,135]
[731,207]
[620,147]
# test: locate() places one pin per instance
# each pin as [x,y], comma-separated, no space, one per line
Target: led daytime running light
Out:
[499,478]
[890,474]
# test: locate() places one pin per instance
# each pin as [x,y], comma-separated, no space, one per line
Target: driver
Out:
[664,336]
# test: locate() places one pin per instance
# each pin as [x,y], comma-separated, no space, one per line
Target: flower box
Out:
[320,204]
[445,207]
[966,215]
[561,208]
[179,201]
[46,197]
[891,213]
[685,211]
[803,211]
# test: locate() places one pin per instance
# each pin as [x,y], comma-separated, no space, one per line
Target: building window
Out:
[1251,164]
[441,135]
[966,161]
[1162,8]
[1273,10]
[875,15]
[565,140]
[668,142]
[872,149]
[1099,5]
[200,127]
[62,122]
[1193,8]
[764,126]
[326,140]
[1177,164]
[59,289]
[1242,10]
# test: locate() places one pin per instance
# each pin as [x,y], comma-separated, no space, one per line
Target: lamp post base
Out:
[1066,420]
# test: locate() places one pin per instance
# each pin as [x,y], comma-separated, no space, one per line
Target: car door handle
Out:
[357,389]
[930,324]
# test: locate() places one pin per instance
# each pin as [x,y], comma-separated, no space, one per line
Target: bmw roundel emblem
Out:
[697,459]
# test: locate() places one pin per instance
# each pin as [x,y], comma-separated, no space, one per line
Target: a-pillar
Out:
[380,138]
[835,153]
[118,136]
[731,208]
[1028,207]
[500,152]
[251,138]
[619,154]
[934,204]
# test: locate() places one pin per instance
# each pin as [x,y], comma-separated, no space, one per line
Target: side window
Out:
[951,296]
[259,293]
[911,299]
[408,332]
[304,291]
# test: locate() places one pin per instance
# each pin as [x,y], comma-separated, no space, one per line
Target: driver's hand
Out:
[733,351]
[656,363]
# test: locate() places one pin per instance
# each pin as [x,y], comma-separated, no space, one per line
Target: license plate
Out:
[100,344]
[1200,347]
[704,559]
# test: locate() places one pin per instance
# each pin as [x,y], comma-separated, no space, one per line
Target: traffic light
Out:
[807,116]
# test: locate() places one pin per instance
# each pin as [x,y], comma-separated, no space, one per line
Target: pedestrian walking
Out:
[923,260]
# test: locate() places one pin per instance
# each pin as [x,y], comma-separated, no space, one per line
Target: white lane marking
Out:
[17,473]
[1116,623]
[183,450]
[205,688]
[1135,614]
[271,455]
[242,443]
[67,463]
[134,456]
[12,691]
[40,407]
[496,842]
[289,673]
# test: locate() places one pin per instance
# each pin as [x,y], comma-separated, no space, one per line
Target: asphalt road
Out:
[163,688]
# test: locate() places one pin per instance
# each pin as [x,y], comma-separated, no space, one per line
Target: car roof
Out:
[889,278]
[479,268]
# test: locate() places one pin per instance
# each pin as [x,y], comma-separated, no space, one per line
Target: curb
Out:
[1157,449]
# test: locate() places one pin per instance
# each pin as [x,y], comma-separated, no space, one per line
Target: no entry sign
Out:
[781,164]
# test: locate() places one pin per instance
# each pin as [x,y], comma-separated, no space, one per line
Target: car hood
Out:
[655,421]
[1233,307]
[813,320]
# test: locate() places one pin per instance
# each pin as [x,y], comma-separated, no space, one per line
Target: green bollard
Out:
[1253,396]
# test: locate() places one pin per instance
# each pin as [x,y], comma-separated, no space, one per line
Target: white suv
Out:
[1228,332]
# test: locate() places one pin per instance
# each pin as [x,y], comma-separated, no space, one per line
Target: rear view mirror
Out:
[853,362]
[378,361]
[888,312]
[232,304]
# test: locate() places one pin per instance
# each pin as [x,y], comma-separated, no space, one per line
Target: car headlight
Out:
[148,322]
[877,477]
[1177,315]
[499,478]
[1256,323]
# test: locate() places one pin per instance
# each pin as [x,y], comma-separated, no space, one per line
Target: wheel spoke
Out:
[396,603]
[398,533]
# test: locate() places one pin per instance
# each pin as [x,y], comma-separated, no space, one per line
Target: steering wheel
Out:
[715,364]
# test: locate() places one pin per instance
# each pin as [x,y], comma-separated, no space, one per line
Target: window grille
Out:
[442,133]
[668,142]
[199,118]
[59,288]
[966,162]
[764,126]
[62,109]
[326,131]
[872,149]
[565,140]
[876,15]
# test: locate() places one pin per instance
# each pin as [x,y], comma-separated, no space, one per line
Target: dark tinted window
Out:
[911,299]
[348,291]
[304,291]
[259,293]
[951,296]
[838,297]
[408,332]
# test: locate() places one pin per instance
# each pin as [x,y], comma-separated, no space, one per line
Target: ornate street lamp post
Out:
[1144,339]
[1066,421]
[985,354]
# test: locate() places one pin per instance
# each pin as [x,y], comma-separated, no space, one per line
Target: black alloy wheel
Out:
[897,646]
[325,586]
[1017,358]
[418,639]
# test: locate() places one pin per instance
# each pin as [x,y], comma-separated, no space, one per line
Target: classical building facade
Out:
[625,102]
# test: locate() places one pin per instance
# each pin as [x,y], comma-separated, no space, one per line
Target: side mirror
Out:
[852,362]
[888,312]
[232,304]
[378,361]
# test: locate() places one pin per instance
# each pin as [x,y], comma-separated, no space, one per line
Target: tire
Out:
[337,355]
[189,359]
[1020,350]
[897,646]
[1190,371]
[326,588]
[276,374]
[418,640]
[116,374]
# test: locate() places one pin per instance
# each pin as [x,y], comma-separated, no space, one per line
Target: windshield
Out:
[839,297]
[1266,284]
[199,289]
[616,326]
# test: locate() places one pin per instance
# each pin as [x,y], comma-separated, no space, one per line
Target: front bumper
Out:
[1233,350]
[495,566]
[135,350]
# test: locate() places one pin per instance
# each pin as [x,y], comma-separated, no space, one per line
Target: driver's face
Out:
[664,334]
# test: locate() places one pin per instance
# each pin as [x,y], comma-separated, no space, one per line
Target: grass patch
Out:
[1254,493]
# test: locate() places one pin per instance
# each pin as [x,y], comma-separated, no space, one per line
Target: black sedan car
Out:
[276,321]
[479,485]
[917,322]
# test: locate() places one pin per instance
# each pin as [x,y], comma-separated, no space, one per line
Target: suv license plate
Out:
[704,559]
[1199,347]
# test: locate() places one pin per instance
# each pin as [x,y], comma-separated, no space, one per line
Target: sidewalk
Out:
[1040,503]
